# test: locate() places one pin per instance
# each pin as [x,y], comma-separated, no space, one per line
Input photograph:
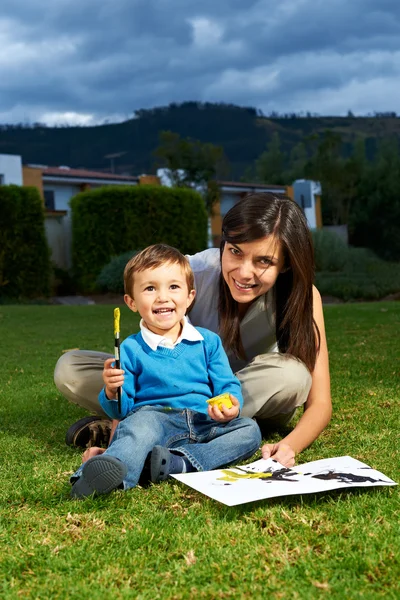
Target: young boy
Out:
[170,370]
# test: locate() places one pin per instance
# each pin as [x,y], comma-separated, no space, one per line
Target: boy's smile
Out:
[161,297]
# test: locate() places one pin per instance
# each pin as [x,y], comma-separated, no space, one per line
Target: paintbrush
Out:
[116,350]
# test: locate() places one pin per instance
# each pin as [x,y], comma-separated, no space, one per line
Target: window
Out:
[49,199]
[306,200]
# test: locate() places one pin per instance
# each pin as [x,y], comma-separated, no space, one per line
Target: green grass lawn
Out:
[168,541]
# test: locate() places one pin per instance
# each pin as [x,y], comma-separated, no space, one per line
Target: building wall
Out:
[227,200]
[33,177]
[62,194]
[57,240]
[59,231]
[10,169]
[318,211]
[215,226]
[304,197]
[290,192]
[149,180]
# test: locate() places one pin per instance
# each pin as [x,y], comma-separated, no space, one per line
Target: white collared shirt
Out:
[154,340]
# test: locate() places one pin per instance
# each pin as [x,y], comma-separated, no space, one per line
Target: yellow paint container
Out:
[221,400]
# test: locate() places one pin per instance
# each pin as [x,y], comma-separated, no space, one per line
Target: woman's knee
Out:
[78,376]
[297,378]
[273,384]
[63,372]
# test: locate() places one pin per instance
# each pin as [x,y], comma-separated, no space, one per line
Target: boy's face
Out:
[161,297]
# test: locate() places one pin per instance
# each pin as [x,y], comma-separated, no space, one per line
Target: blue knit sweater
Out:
[185,376]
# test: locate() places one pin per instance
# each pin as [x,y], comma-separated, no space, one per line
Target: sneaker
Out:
[88,432]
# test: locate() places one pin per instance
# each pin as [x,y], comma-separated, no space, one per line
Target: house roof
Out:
[66,172]
[239,184]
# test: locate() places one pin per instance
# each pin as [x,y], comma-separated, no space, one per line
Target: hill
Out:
[242,132]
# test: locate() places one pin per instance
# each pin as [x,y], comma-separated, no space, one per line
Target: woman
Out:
[257,292]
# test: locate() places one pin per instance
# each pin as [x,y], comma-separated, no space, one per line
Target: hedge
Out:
[352,273]
[331,252]
[111,277]
[24,254]
[112,220]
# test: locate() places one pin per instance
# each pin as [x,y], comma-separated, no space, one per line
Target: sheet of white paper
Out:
[268,479]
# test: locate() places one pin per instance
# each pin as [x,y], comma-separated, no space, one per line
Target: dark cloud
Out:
[87,61]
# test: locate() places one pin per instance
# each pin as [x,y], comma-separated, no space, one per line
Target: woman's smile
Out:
[244,286]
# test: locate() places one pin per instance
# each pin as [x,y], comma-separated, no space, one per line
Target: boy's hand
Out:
[225,414]
[113,378]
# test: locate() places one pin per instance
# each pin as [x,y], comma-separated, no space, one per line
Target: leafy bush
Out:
[110,221]
[351,273]
[365,277]
[24,253]
[331,252]
[111,278]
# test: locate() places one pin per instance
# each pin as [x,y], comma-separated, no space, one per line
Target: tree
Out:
[375,219]
[327,166]
[194,164]
[271,163]
[297,163]
[354,171]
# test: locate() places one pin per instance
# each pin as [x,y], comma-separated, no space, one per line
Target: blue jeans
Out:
[206,443]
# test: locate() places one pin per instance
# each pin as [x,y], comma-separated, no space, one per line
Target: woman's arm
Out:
[318,407]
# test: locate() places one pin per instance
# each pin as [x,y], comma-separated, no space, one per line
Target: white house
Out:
[60,184]
[10,169]
[230,192]
[306,194]
[57,185]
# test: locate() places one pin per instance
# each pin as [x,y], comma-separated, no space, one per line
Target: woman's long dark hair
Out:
[261,215]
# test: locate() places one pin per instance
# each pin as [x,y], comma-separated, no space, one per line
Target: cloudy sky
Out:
[85,61]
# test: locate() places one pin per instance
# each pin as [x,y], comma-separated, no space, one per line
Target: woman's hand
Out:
[225,414]
[282,452]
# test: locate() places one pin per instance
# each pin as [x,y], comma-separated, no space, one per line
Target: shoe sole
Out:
[79,434]
[77,428]
[100,475]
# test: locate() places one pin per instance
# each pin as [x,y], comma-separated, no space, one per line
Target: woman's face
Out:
[251,269]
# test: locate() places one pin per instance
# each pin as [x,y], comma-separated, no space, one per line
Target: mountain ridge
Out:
[243,132]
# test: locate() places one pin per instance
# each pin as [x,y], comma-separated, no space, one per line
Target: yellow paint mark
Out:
[117,315]
[233,476]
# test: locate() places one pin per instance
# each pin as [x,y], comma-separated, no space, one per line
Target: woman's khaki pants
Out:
[273,385]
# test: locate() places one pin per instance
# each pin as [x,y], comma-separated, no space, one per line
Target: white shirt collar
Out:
[154,340]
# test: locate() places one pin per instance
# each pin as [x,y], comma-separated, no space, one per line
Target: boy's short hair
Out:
[152,257]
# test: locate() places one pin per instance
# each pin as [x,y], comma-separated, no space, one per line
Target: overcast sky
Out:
[84,61]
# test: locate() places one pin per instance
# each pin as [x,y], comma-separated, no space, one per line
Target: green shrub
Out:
[351,273]
[331,252]
[111,278]
[365,277]
[24,253]
[110,221]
